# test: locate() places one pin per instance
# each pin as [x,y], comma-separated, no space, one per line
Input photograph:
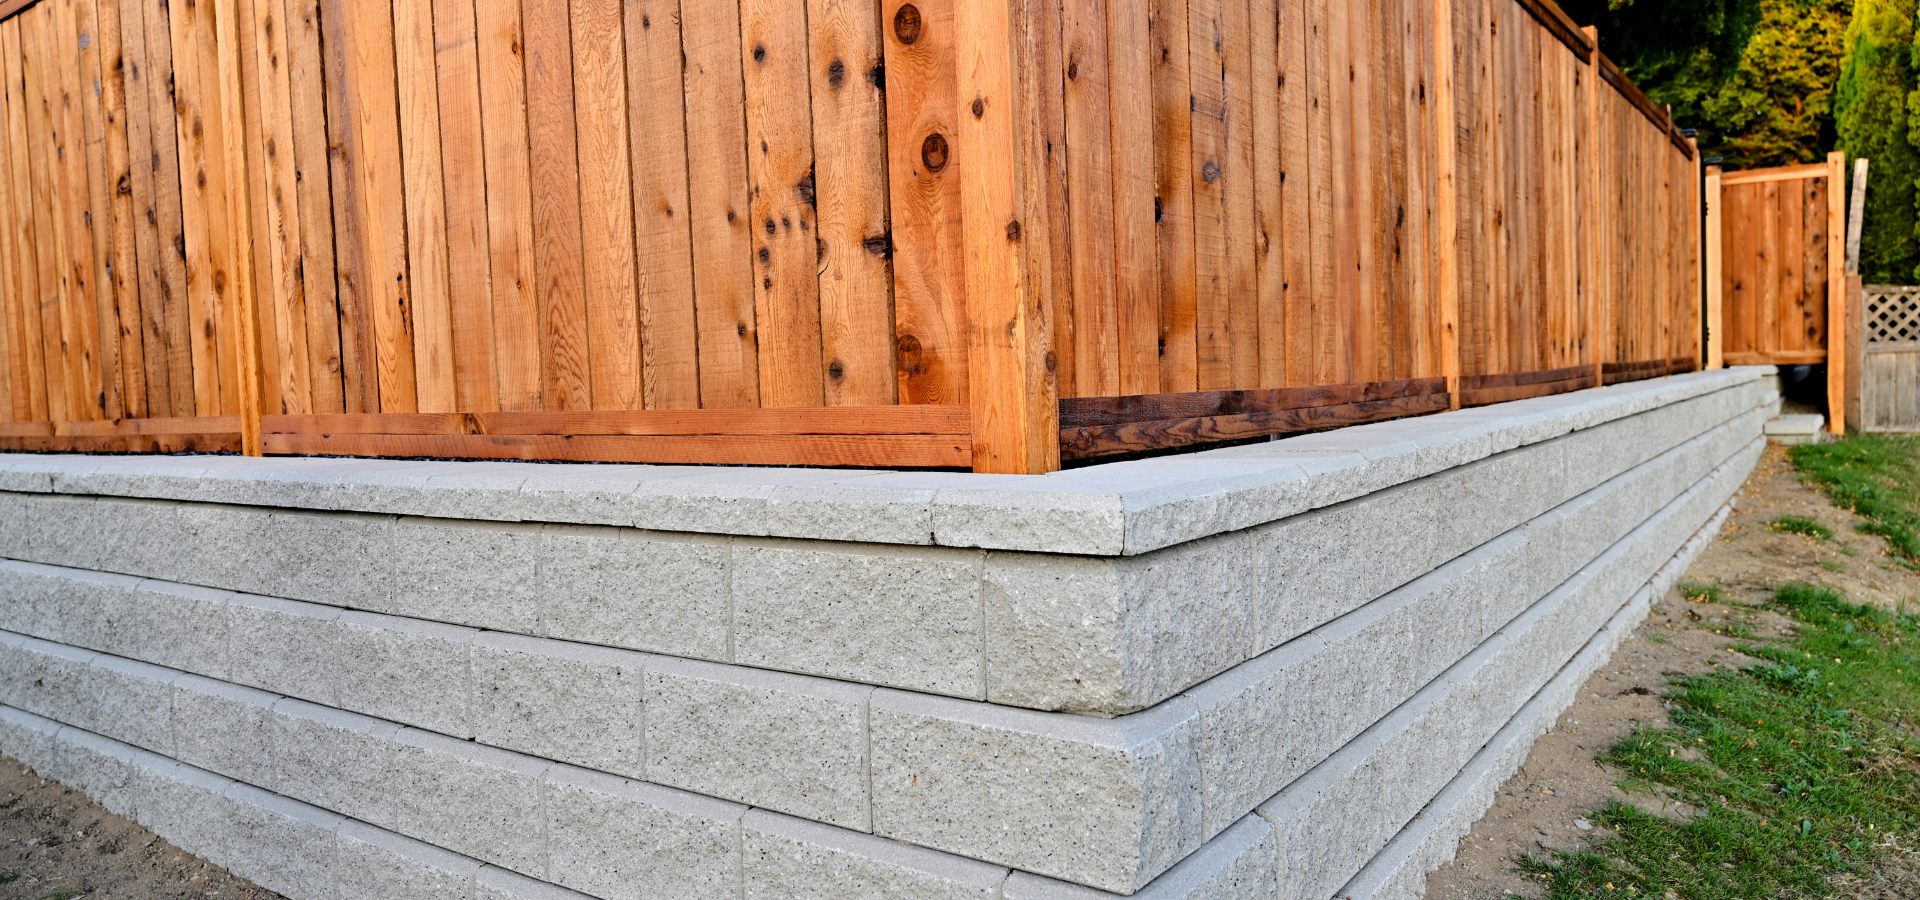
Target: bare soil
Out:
[56,844]
[1540,808]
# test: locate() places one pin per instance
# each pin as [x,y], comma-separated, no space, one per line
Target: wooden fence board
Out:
[456,42]
[606,204]
[717,191]
[656,93]
[780,201]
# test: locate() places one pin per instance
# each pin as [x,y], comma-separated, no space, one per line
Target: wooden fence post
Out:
[1836,293]
[1716,341]
[1589,247]
[1856,313]
[1447,198]
[246,321]
[1016,410]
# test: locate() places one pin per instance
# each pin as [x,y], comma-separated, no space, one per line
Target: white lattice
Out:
[1892,314]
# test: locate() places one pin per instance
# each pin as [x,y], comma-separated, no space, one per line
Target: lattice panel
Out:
[1892,314]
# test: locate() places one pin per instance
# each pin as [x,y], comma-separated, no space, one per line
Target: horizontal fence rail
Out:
[995,234]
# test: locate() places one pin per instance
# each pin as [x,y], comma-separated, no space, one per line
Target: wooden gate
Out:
[1776,271]
[1890,359]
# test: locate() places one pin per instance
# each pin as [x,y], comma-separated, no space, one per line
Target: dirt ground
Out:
[1539,808]
[56,844]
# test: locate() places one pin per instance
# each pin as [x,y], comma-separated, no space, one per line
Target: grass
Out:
[1798,767]
[1832,566]
[1702,593]
[1873,475]
[1802,525]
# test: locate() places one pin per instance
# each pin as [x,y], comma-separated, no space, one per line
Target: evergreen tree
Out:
[1777,109]
[1877,107]
[1680,52]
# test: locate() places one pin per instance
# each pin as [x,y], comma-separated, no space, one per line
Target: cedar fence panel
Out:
[947,233]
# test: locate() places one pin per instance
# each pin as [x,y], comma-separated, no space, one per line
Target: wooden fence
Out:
[1777,283]
[986,233]
[1890,359]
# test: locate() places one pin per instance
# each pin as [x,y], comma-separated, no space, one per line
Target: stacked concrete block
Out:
[1149,678]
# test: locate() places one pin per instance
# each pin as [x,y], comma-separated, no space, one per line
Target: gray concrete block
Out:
[404,670]
[64,531]
[224,728]
[30,739]
[466,573]
[587,494]
[730,501]
[906,618]
[619,839]
[783,858]
[641,590]
[1237,865]
[98,767]
[495,883]
[282,845]
[185,805]
[130,702]
[375,863]
[465,797]
[52,680]
[878,507]
[284,646]
[138,537]
[1109,804]
[784,742]
[176,625]
[225,547]
[335,558]
[1111,636]
[332,759]
[55,603]
[571,702]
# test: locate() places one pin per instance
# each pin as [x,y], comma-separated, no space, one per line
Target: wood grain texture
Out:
[930,325]
[429,288]
[656,94]
[606,204]
[512,270]
[1090,441]
[1175,253]
[938,419]
[718,204]
[306,102]
[553,163]
[1095,337]
[30,390]
[1130,98]
[271,147]
[847,76]
[122,260]
[889,451]
[780,200]
[464,178]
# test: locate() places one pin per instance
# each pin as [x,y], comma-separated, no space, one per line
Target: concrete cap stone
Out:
[1111,509]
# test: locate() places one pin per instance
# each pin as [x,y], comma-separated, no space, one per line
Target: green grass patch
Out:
[1832,566]
[1873,475]
[1798,765]
[1802,525]
[1702,593]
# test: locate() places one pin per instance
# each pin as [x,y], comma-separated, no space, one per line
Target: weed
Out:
[1873,475]
[1832,566]
[1802,525]
[1702,593]
[9,877]
[1802,769]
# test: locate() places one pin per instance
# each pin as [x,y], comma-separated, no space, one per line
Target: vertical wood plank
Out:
[511,252]
[278,194]
[464,176]
[1812,324]
[1446,200]
[1268,309]
[847,77]
[1096,338]
[123,263]
[144,156]
[44,238]
[104,375]
[656,92]
[780,196]
[1837,350]
[717,193]
[1173,193]
[23,274]
[369,206]
[606,203]
[1296,275]
[930,322]
[1219,46]
[313,180]
[240,313]
[1715,278]
[428,291]
[554,162]
[72,96]
[1135,242]
[1015,415]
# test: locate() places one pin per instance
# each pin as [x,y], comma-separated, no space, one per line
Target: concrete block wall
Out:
[1154,678]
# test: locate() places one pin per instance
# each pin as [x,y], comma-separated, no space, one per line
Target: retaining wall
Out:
[1279,670]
